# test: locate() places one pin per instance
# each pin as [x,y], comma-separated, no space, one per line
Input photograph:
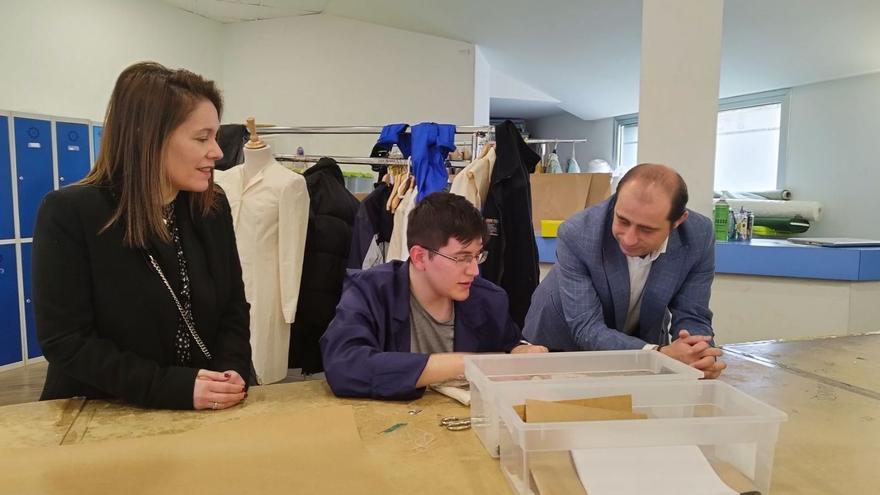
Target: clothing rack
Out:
[544,142]
[357,160]
[476,132]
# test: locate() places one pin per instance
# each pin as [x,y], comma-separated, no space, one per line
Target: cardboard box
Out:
[559,196]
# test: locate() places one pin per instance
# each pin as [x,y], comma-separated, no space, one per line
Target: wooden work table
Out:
[830,389]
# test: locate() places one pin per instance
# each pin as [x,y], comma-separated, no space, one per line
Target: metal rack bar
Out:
[274,130]
[548,141]
[357,160]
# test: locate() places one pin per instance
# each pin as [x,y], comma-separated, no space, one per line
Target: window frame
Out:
[619,123]
[776,97]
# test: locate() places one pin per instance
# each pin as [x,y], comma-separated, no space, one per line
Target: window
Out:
[626,142]
[748,147]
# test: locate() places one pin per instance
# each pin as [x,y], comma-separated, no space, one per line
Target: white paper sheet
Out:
[679,470]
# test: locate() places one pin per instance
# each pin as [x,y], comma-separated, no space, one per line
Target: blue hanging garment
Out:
[430,144]
[396,134]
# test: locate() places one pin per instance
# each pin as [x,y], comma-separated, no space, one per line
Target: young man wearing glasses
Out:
[402,326]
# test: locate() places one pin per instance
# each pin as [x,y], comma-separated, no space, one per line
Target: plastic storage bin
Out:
[725,423]
[487,374]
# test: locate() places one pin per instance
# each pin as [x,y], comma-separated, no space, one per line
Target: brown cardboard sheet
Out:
[313,451]
[553,473]
[539,411]
[559,196]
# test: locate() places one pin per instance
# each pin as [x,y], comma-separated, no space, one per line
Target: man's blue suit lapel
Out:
[616,272]
[664,273]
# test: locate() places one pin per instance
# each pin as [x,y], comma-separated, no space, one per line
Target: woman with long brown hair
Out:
[137,284]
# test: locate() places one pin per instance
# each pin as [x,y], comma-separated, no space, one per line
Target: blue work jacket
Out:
[366,348]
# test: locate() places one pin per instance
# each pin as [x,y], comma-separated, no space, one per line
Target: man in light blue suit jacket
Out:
[628,267]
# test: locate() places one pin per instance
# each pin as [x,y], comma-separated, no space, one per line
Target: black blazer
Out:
[106,321]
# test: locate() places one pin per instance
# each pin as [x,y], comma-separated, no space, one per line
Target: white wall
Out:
[504,86]
[63,57]
[834,153]
[324,70]
[599,134]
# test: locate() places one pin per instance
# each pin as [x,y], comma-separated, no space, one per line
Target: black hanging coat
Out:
[513,254]
[231,138]
[331,214]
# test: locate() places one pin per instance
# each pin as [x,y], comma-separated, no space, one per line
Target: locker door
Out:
[33,160]
[10,326]
[33,346]
[73,143]
[7,225]
[97,132]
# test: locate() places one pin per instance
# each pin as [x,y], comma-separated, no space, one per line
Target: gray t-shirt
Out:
[427,335]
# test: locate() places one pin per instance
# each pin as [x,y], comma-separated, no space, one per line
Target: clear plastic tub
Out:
[488,373]
[726,424]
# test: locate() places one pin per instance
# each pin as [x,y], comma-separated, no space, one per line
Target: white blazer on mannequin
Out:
[270,214]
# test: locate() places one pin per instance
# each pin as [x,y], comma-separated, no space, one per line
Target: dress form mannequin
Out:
[270,208]
[257,154]
[255,161]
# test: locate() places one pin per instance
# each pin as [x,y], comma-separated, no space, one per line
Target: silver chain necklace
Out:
[186,318]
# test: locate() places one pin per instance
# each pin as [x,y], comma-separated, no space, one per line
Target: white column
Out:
[678,97]
[482,86]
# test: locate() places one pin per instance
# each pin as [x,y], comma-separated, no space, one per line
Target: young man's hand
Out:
[527,349]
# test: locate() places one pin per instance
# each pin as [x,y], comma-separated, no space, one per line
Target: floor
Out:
[22,384]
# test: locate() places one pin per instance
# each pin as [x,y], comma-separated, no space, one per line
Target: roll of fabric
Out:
[808,210]
[777,194]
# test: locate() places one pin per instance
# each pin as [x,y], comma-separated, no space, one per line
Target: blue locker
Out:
[10,325]
[33,346]
[72,141]
[33,160]
[97,132]
[7,225]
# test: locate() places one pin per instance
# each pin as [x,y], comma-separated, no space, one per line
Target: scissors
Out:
[454,423]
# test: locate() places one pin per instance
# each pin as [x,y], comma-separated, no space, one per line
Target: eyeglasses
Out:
[466,259]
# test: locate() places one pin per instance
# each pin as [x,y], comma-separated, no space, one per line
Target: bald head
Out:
[653,176]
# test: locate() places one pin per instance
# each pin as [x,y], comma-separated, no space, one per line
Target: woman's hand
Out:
[216,390]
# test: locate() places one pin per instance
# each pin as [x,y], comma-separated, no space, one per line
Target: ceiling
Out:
[585,53]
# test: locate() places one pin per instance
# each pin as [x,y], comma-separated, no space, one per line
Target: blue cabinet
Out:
[7,225]
[33,162]
[10,323]
[72,143]
[33,345]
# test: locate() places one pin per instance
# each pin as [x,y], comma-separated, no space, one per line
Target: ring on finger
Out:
[214,405]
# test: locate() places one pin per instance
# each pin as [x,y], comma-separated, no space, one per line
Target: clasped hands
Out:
[218,390]
[695,351]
